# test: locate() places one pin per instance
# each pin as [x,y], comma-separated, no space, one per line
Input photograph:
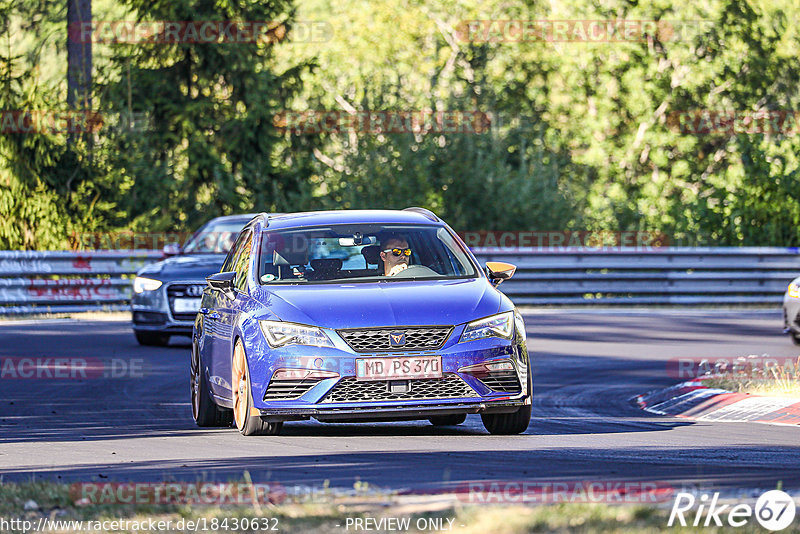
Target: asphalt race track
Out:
[586,366]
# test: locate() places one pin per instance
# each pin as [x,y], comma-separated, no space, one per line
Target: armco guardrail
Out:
[38,282]
[34,282]
[718,275]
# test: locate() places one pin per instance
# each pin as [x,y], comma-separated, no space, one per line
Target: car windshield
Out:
[216,237]
[361,252]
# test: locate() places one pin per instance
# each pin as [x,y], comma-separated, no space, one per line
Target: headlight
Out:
[280,334]
[141,284]
[794,290]
[520,325]
[500,325]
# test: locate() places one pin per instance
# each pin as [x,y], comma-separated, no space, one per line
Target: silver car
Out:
[166,294]
[791,310]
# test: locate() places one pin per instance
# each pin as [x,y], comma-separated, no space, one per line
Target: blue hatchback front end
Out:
[329,327]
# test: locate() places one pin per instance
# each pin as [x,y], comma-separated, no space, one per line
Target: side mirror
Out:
[497,271]
[171,249]
[223,282]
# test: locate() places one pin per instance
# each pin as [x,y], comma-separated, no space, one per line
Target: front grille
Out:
[379,339]
[183,291]
[290,389]
[349,389]
[503,381]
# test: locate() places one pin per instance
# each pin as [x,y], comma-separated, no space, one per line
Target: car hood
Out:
[358,305]
[184,267]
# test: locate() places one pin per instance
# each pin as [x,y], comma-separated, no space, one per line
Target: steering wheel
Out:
[415,270]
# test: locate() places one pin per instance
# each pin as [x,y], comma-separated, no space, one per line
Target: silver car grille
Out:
[450,386]
[181,290]
[379,339]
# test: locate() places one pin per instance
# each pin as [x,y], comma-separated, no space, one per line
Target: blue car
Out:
[166,294]
[348,316]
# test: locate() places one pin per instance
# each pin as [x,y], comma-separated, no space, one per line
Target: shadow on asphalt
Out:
[732,466]
[572,395]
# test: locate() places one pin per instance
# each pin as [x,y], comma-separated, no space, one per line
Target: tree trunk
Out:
[79,55]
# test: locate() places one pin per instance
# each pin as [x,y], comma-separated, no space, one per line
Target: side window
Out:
[230,260]
[242,263]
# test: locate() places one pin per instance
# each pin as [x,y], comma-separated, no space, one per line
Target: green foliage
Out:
[208,146]
[584,134]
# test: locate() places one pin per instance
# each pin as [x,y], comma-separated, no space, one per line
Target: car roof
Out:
[322,218]
[243,217]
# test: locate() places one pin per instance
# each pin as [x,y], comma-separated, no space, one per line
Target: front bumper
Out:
[463,391]
[389,412]
[791,314]
[152,311]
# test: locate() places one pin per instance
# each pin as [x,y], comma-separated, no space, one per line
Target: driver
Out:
[226,241]
[395,254]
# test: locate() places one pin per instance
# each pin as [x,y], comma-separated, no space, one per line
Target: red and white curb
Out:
[693,400]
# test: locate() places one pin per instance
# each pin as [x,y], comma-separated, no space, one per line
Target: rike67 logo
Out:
[774,510]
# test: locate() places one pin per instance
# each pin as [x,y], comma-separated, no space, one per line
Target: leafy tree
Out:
[209,145]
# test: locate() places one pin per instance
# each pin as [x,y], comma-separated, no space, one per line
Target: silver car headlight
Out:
[500,325]
[793,291]
[280,334]
[142,284]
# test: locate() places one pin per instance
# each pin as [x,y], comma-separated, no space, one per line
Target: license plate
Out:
[186,305]
[402,368]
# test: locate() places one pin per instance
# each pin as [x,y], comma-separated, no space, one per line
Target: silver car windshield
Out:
[361,252]
[214,238]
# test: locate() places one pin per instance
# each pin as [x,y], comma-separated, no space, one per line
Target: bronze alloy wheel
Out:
[248,419]
[239,384]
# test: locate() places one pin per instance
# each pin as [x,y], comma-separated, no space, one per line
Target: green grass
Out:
[54,501]
[754,378]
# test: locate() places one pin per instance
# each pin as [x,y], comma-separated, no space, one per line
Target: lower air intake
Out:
[349,389]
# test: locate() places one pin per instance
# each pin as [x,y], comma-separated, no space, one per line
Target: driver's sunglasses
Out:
[399,251]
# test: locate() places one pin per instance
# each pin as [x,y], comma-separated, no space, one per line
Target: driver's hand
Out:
[397,268]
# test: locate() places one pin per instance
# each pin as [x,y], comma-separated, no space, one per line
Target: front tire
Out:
[205,412]
[247,418]
[448,420]
[511,423]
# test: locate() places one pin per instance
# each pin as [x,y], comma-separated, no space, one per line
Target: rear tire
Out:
[205,412]
[511,423]
[152,339]
[247,419]
[448,420]
[795,337]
